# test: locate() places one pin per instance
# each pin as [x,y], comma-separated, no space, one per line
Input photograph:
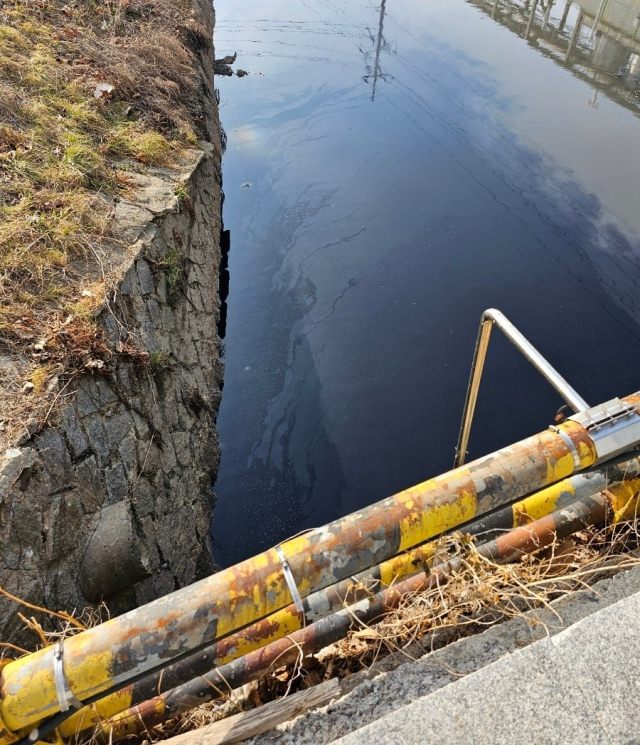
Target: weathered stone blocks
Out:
[114,502]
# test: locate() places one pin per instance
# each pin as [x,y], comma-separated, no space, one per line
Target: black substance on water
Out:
[411,165]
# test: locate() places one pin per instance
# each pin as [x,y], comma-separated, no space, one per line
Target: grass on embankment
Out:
[65,155]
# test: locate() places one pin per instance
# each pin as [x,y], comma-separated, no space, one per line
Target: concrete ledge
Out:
[580,686]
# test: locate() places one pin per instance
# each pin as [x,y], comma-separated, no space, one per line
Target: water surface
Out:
[393,170]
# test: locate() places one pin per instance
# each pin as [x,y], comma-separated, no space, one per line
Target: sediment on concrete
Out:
[114,501]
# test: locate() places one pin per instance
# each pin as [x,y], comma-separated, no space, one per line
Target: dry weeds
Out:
[60,625]
[65,155]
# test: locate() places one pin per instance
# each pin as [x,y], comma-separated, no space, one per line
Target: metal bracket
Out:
[613,426]
[522,344]
[291,583]
[66,699]
[577,464]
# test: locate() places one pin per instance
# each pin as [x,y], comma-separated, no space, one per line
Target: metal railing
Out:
[523,345]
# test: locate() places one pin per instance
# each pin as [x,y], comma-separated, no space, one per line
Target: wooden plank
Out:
[251,723]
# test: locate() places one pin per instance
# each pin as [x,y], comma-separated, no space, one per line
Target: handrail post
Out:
[529,352]
[477,367]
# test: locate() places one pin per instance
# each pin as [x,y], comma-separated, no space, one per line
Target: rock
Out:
[223,66]
[115,557]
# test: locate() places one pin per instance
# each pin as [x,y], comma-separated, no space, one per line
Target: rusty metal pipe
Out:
[614,505]
[151,637]
[285,621]
[560,494]
[327,601]
[216,683]
[542,533]
[281,652]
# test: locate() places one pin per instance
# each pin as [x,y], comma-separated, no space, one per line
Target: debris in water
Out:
[223,66]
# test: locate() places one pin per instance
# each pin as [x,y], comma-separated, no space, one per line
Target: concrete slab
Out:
[603,655]
[573,688]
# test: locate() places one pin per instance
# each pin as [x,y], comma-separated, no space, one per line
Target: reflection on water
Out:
[595,39]
[392,170]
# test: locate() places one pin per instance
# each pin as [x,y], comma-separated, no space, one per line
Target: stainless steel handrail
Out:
[490,317]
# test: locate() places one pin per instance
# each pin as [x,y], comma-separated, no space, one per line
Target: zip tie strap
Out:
[66,699]
[291,583]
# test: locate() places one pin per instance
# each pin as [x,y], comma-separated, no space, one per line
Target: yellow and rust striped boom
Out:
[620,503]
[324,602]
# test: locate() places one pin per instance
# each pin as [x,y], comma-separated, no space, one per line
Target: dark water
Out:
[391,172]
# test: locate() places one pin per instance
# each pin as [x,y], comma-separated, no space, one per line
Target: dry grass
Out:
[65,157]
[482,593]
[37,378]
[65,625]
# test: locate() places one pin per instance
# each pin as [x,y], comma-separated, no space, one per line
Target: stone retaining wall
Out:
[115,502]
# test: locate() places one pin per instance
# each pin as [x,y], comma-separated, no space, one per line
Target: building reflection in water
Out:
[596,39]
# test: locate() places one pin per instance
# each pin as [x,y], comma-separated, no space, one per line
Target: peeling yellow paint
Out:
[435,520]
[540,504]
[624,500]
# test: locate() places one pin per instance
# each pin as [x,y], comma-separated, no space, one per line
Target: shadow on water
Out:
[223,282]
[294,467]
[388,178]
[291,481]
